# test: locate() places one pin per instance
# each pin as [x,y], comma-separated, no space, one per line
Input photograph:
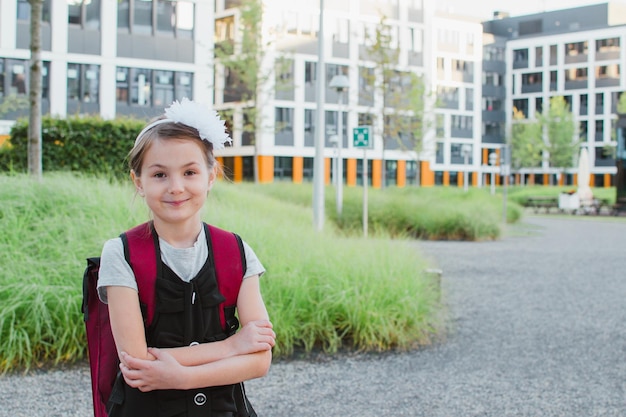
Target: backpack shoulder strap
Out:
[140,251]
[230,265]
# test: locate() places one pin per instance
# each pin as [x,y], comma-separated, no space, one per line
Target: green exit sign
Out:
[361,137]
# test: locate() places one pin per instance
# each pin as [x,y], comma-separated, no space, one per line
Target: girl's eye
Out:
[190,172]
[159,175]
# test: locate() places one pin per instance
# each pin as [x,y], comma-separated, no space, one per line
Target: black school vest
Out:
[186,313]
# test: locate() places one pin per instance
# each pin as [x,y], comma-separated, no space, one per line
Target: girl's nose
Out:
[176,185]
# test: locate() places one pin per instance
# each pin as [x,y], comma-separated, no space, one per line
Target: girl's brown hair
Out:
[165,131]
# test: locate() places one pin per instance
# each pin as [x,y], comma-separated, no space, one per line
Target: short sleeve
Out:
[254,266]
[114,270]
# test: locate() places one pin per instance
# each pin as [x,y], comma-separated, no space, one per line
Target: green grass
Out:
[324,290]
[414,212]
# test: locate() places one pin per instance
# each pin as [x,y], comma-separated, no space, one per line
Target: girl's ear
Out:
[137,181]
[212,177]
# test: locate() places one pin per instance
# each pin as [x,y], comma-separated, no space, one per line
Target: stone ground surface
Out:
[538,328]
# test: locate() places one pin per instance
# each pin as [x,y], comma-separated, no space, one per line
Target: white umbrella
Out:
[584,175]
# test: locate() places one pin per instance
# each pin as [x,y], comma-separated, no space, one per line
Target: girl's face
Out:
[175,181]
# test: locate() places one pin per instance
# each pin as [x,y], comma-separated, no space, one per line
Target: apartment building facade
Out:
[575,53]
[133,57]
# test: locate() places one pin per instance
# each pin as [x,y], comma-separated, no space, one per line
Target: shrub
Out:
[90,145]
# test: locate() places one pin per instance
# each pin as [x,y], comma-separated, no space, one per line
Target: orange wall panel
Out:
[327,162]
[298,169]
[376,173]
[401,176]
[351,173]
[266,168]
[238,174]
[427,176]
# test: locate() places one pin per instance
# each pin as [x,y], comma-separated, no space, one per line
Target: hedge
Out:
[89,145]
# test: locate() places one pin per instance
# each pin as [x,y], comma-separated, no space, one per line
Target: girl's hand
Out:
[255,336]
[164,372]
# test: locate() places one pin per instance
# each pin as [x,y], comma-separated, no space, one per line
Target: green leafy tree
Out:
[559,128]
[526,141]
[403,93]
[243,59]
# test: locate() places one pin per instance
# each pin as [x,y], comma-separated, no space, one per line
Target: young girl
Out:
[173,168]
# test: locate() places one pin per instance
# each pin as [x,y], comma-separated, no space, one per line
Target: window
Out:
[584,102]
[448,97]
[83,82]
[462,70]
[284,120]
[123,14]
[23,10]
[416,38]
[553,80]
[284,126]
[521,104]
[599,103]
[492,104]
[18,78]
[163,88]
[607,45]
[538,105]
[183,86]
[493,53]
[341,33]
[439,153]
[553,54]
[309,127]
[469,99]
[520,58]
[493,129]
[492,78]
[599,137]
[165,17]
[84,13]
[538,56]
[121,85]
[283,168]
[582,130]
[441,70]
[531,79]
[576,48]
[225,29]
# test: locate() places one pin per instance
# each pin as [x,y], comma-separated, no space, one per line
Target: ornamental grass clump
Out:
[324,291]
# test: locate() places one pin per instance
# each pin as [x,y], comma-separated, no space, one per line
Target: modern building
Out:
[134,57]
[578,54]
[109,57]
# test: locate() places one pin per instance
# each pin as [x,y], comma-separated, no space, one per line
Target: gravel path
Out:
[537,329]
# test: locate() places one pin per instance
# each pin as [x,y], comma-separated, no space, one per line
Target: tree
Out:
[527,144]
[34,125]
[243,59]
[559,128]
[402,92]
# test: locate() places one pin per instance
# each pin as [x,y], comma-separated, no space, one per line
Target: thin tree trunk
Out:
[34,124]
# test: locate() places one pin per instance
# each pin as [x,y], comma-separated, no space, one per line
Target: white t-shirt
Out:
[185,262]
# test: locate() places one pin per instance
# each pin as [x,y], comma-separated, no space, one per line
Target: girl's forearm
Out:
[231,370]
[203,353]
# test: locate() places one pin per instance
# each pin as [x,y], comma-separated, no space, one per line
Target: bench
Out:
[542,202]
